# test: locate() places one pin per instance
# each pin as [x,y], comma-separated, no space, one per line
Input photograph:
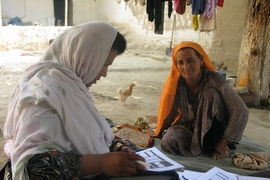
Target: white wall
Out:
[29,11]
[223,44]
[29,38]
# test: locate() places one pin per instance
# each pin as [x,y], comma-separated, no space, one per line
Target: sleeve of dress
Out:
[171,116]
[238,114]
[54,165]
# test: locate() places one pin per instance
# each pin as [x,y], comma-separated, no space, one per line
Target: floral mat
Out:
[136,135]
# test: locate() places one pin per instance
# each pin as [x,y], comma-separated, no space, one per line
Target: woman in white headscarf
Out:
[54,129]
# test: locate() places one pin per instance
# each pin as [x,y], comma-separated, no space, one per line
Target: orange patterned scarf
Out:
[170,86]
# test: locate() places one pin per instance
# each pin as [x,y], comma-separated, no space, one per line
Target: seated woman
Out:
[55,129]
[199,113]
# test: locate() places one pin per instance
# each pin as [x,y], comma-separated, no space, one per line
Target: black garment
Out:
[56,165]
[150,10]
[159,16]
[155,11]
[170,9]
[6,172]
[212,137]
[109,121]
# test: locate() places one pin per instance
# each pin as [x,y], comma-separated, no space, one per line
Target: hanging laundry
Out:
[170,8]
[195,22]
[155,11]
[209,8]
[159,16]
[220,3]
[150,10]
[197,6]
[180,6]
[208,24]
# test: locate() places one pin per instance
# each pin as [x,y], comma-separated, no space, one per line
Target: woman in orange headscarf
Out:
[199,113]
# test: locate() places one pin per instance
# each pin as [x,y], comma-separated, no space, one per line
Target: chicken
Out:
[125,93]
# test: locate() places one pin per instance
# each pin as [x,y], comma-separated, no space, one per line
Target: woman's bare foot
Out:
[218,156]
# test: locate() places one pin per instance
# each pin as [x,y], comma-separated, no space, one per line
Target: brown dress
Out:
[216,112]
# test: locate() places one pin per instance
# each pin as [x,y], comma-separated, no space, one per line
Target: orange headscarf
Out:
[170,86]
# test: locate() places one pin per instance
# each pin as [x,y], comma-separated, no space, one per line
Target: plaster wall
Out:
[226,40]
[222,44]
[131,19]
[28,38]
[29,11]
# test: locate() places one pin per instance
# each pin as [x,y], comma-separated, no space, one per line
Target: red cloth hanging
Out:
[180,6]
[220,3]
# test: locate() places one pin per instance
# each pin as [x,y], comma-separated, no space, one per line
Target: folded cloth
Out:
[208,24]
[252,160]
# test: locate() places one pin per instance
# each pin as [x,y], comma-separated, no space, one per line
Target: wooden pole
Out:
[66,12]
[1,13]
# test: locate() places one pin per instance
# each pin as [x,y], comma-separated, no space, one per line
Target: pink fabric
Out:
[209,8]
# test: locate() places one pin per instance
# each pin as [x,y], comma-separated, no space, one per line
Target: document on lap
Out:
[157,161]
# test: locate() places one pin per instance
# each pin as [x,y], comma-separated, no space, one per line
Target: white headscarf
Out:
[73,60]
[83,49]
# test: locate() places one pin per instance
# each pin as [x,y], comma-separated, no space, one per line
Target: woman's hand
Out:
[112,164]
[121,164]
[127,149]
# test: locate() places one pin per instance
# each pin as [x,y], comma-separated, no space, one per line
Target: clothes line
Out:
[203,12]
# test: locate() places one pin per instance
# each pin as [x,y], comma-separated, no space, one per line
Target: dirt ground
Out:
[148,70]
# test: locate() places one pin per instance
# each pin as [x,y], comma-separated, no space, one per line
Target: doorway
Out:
[59,12]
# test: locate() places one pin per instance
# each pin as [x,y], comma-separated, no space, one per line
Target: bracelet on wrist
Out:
[118,146]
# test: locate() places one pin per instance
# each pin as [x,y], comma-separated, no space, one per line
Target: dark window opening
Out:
[59,12]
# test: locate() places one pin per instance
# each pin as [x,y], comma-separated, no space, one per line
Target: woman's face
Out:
[188,63]
[103,72]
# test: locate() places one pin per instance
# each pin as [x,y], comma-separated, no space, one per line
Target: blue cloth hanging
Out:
[197,6]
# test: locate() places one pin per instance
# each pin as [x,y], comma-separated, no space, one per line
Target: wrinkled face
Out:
[103,72]
[188,63]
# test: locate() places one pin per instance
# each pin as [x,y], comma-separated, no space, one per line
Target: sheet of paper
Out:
[252,178]
[194,175]
[190,175]
[158,161]
[218,174]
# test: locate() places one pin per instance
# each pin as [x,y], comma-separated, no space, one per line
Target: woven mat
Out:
[135,135]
